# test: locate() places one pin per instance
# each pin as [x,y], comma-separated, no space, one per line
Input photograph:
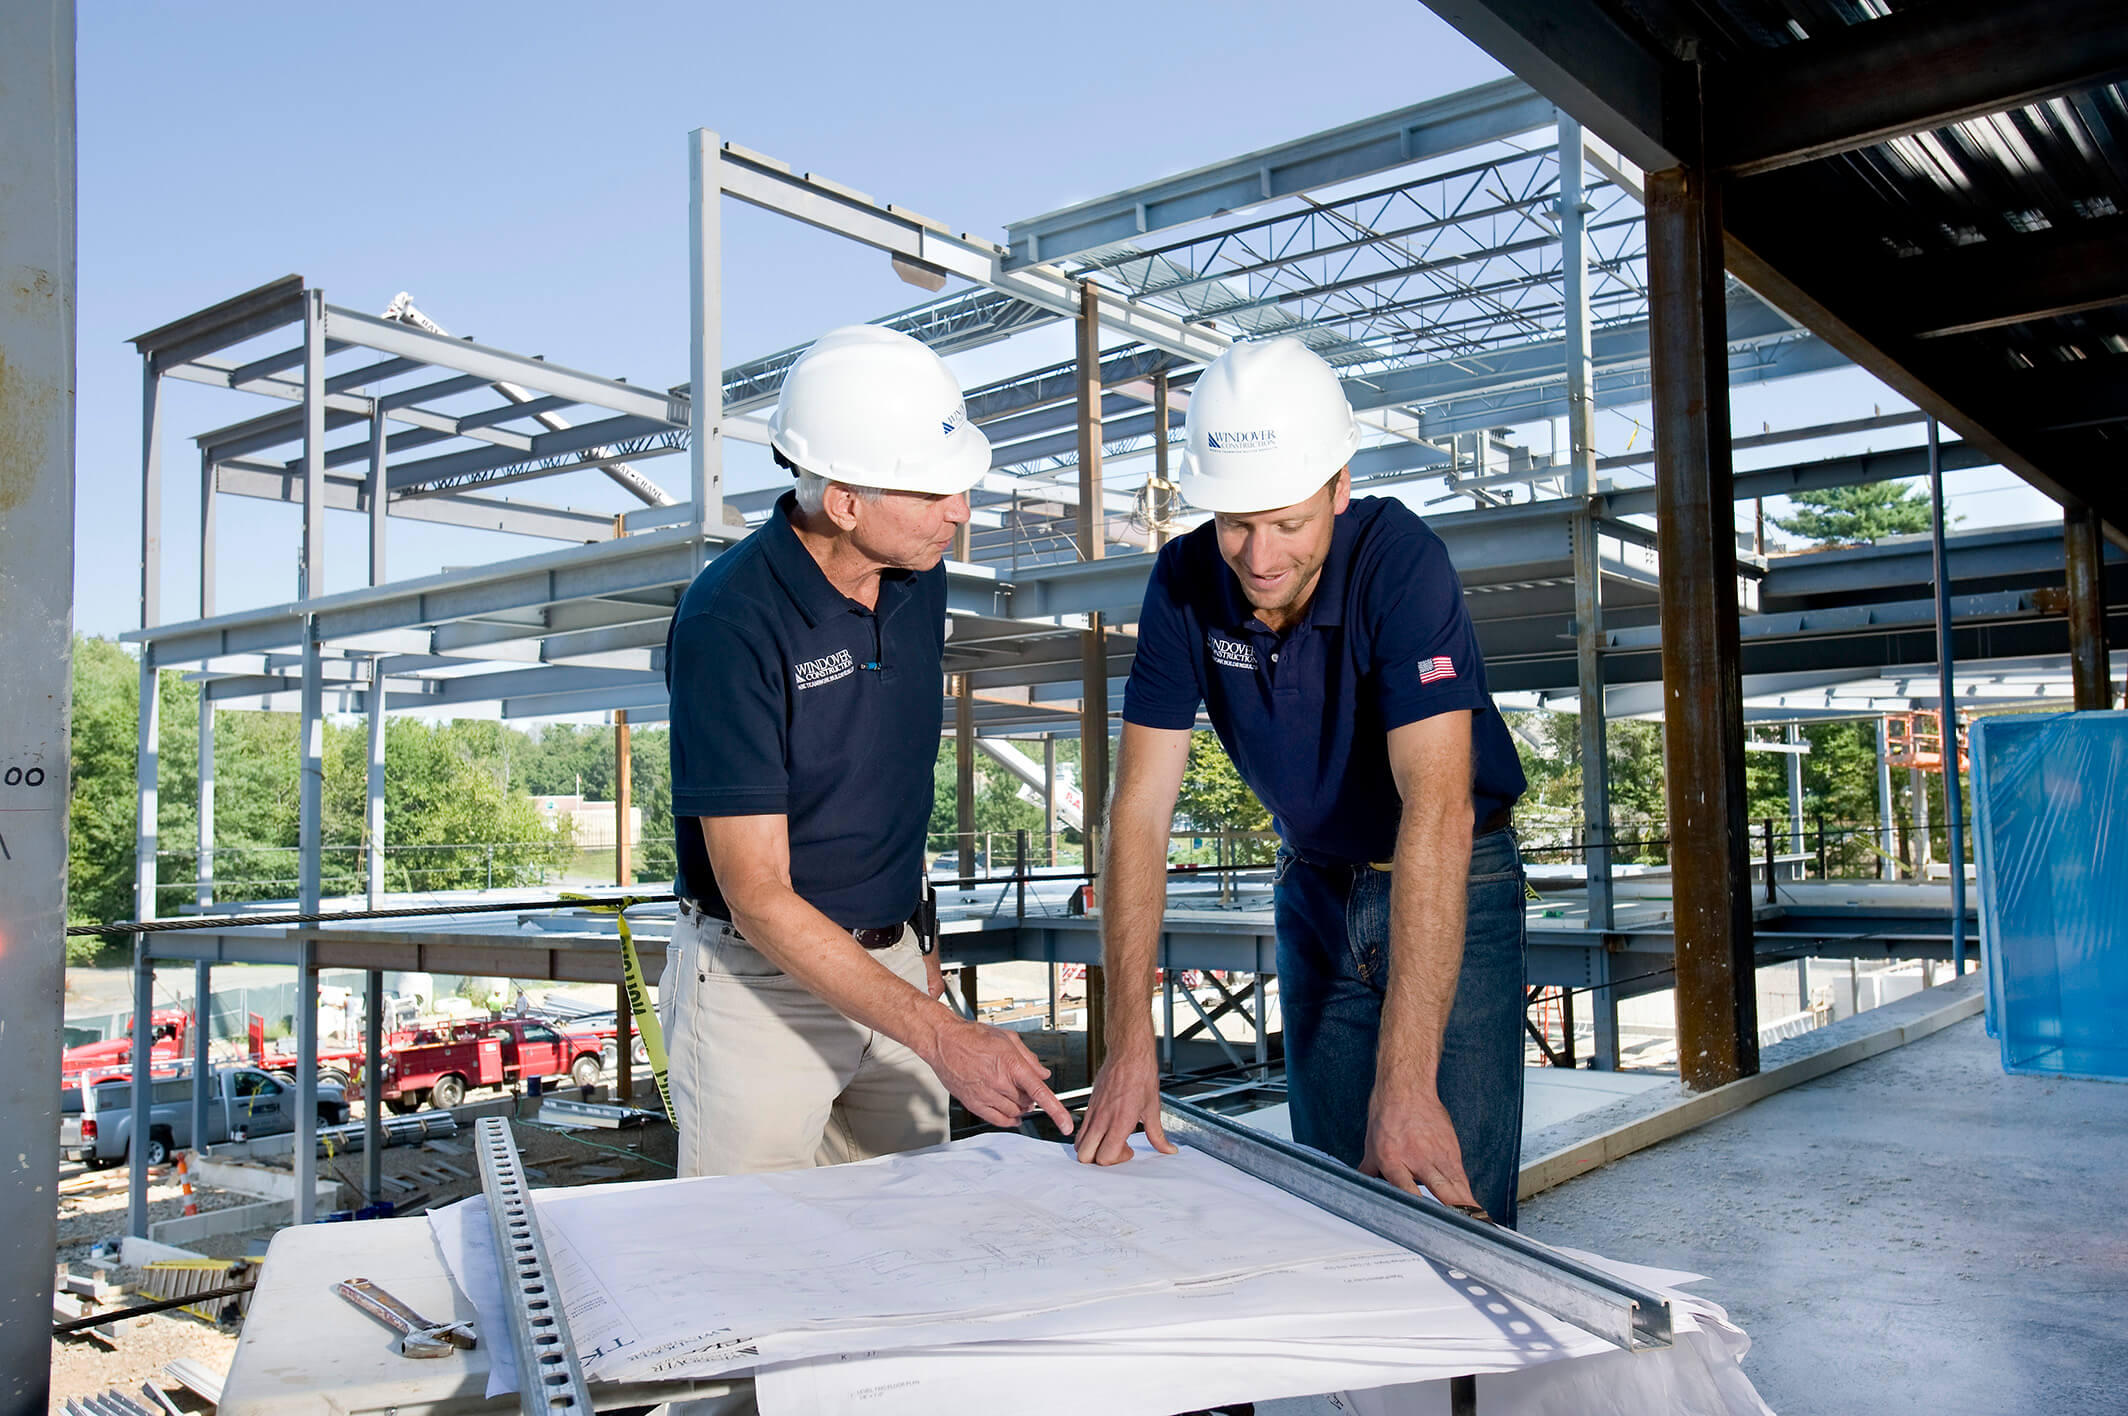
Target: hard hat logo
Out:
[871,407]
[1268,426]
[1259,440]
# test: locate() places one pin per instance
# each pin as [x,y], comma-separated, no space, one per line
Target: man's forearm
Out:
[1426,918]
[1134,899]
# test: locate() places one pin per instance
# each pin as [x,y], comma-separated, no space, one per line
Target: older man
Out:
[800,1008]
[1327,639]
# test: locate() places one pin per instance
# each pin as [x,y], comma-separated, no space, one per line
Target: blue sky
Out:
[520,169]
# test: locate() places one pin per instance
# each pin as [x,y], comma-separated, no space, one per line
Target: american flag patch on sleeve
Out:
[1435,669]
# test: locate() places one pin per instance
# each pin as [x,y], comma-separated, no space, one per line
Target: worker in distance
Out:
[799,1005]
[1327,639]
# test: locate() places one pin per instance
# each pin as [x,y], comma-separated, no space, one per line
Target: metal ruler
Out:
[550,1380]
[1625,1313]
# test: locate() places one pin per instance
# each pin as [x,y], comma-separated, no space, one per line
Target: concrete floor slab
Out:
[1918,1232]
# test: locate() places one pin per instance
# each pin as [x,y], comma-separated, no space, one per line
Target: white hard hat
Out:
[1268,425]
[871,407]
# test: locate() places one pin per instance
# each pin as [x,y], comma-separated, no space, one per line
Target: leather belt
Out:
[884,937]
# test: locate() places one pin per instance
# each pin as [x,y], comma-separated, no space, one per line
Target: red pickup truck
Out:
[440,1069]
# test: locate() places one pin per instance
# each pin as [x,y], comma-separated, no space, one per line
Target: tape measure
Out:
[646,1016]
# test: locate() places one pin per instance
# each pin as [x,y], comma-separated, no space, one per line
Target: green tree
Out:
[999,811]
[1857,515]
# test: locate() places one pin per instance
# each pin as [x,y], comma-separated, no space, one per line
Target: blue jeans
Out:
[1333,971]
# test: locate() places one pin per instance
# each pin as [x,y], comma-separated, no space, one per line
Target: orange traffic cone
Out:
[184,1181]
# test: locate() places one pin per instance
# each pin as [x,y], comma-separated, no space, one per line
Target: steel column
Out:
[705,319]
[1703,719]
[1093,649]
[1049,800]
[1588,572]
[379,491]
[1952,797]
[146,806]
[964,778]
[202,1025]
[1795,789]
[310,576]
[203,894]
[2084,552]
[1917,800]
[143,1091]
[373,1087]
[1887,830]
[310,866]
[207,519]
[37,333]
[623,797]
[373,805]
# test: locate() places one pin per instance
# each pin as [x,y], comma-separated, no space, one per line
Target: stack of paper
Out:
[938,1280]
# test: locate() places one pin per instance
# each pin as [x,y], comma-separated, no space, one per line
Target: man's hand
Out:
[1411,1142]
[1126,1096]
[993,1074]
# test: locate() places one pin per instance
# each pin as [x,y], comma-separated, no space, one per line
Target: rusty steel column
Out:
[1093,646]
[2090,675]
[964,777]
[1703,711]
[623,798]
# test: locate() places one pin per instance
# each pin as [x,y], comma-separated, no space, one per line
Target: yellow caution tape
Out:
[646,1016]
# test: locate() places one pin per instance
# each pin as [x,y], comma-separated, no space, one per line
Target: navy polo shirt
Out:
[1306,714]
[791,699]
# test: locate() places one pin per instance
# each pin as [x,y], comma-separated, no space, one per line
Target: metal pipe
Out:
[964,780]
[1703,719]
[623,798]
[1624,1313]
[1952,795]
[142,1094]
[202,1025]
[373,789]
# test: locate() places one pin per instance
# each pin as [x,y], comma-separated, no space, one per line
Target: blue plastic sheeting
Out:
[2050,805]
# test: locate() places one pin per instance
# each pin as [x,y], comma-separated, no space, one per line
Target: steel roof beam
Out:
[233,321]
[1487,113]
[515,518]
[497,366]
[1916,69]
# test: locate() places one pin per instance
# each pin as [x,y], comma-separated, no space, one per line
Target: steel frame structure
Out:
[1461,275]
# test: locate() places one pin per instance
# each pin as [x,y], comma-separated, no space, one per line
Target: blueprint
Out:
[923,1284]
[689,1277]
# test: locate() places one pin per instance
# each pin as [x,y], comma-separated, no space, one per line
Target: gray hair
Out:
[813,491]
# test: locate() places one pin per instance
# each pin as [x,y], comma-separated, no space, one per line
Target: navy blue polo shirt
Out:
[791,699]
[1306,714]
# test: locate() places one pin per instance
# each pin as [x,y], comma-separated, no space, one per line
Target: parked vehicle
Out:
[443,1068]
[246,1102]
[168,1043]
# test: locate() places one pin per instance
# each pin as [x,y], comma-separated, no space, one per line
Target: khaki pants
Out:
[765,1076]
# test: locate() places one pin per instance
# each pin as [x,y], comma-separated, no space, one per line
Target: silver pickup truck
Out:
[245,1102]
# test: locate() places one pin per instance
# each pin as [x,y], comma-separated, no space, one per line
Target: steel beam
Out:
[1703,727]
[464,509]
[310,867]
[2084,556]
[37,344]
[1470,118]
[232,321]
[1592,66]
[1851,86]
[491,365]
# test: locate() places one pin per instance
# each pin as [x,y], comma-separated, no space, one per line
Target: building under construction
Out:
[1664,203]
